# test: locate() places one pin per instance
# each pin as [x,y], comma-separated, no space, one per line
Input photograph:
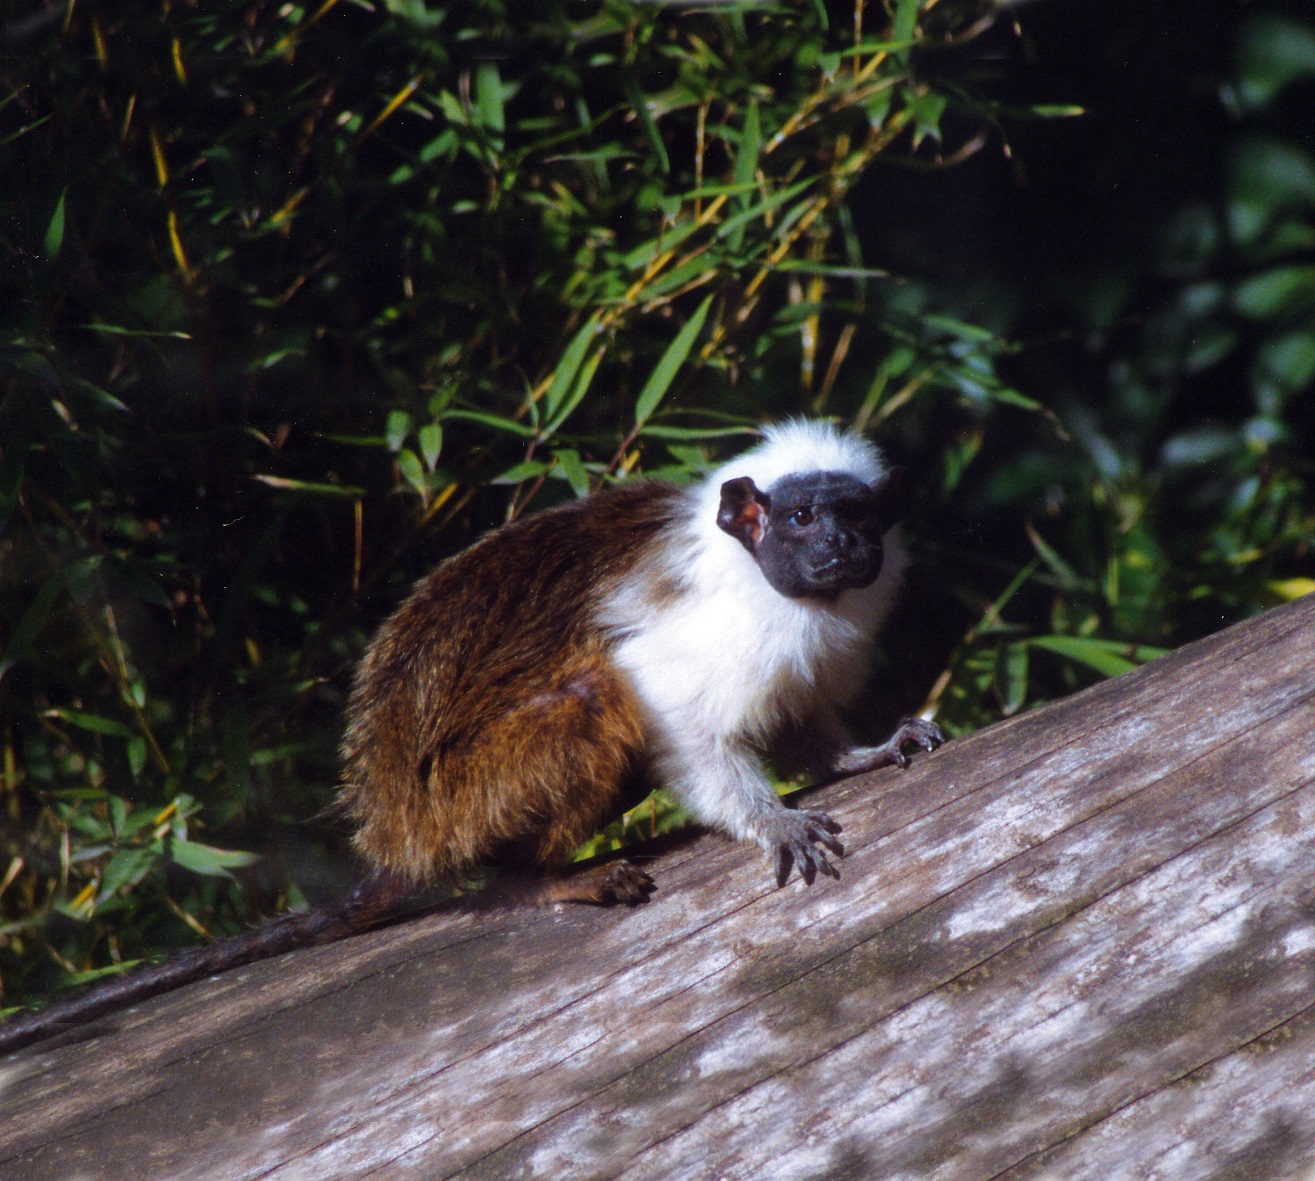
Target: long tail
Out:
[373,900]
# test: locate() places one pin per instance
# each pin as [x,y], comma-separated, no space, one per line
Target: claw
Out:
[784,864]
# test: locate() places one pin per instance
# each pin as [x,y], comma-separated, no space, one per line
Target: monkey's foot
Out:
[604,885]
[912,732]
[795,836]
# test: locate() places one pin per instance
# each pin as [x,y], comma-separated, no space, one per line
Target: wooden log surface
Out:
[1079,944]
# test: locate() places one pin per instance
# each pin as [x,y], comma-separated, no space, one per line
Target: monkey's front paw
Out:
[911,732]
[796,836]
[914,732]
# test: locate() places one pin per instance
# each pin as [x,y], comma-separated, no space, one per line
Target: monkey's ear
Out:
[892,497]
[743,511]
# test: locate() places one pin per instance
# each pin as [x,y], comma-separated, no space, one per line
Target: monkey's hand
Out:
[795,836]
[911,732]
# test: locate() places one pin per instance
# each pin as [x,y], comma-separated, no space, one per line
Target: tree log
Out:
[1079,944]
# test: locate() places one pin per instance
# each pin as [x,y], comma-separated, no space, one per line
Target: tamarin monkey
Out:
[532,685]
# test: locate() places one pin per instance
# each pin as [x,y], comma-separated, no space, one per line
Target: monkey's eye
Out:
[801,517]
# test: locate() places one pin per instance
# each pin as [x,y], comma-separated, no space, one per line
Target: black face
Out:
[814,535]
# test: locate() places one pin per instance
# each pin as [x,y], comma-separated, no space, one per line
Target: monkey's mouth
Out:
[846,571]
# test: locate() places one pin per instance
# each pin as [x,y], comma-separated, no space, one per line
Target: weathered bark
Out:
[1078,944]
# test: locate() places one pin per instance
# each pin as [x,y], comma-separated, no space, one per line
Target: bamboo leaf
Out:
[430,438]
[639,104]
[397,428]
[582,383]
[207,860]
[573,470]
[55,230]
[906,16]
[746,160]
[494,421]
[1110,657]
[1011,676]
[488,97]
[90,722]
[31,622]
[662,376]
[412,471]
[521,471]
[735,220]
[569,365]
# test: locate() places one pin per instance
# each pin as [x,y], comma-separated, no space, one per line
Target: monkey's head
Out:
[813,534]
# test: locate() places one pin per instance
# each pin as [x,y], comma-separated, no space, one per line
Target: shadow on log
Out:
[1080,944]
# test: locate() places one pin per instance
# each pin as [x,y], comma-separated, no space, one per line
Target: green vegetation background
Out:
[294,300]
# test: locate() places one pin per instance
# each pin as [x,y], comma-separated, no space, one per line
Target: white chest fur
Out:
[731,656]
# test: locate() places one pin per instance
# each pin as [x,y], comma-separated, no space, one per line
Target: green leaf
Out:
[55,230]
[488,97]
[906,17]
[132,573]
[582,383]
[397,428]
[207,860]
[521,471]
[1278,290]
[494,421]
[125,869]
[1274,52]
[569,365]
[1110,657]
[746,159]
[136,755]
[115,330]
[639,104]
[91,722]
[661,378]
[430,438]
[696,432]
[118,807]
[733,222]
[412,471]
[573,470]
[30,625]
[927,111]
[1065,574]
[1011,677]
[92,974]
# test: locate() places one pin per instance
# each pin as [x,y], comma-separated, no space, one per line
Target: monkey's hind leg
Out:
[612,883]
[542,772]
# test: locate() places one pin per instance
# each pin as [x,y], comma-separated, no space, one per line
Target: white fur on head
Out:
[726,660]
[796,446]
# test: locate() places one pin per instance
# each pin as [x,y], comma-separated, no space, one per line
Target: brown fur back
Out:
[487,713]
